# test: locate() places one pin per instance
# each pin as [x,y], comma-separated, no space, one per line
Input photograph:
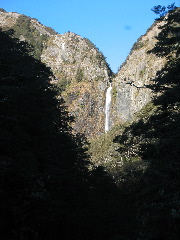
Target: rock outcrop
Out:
[130,86]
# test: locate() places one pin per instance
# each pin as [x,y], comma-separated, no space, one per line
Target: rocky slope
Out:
[81,72]
[83,75]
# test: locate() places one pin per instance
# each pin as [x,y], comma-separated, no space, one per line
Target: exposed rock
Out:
[131,82]
[77,62]
[8,19]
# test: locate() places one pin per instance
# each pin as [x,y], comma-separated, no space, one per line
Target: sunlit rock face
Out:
[80,69]
[130,86]
[79,65]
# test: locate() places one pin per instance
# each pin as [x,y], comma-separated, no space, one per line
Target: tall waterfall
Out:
[107,108]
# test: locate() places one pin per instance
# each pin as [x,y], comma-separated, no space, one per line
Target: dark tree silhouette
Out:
[46,188]
[39,155]
[162,10]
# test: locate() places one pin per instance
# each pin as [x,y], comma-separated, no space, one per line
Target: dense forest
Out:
[49,188]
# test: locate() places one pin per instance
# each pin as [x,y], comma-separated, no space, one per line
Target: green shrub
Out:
[23,27]
[62,84]
[79,75]
[114,92]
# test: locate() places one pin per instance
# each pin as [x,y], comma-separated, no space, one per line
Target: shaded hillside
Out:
[39,155]
[49,189]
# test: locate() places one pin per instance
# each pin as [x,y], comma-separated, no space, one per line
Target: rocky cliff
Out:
[83,75]
[130,86]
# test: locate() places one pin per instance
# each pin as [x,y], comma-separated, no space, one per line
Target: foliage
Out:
[167,38]
[62,84]
[114,93]
[99,56]
[103,150]
[137,45]
[162,10]
[79,75]
[24,27]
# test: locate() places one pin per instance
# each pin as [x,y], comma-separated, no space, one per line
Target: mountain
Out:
[148,80]
[82,74]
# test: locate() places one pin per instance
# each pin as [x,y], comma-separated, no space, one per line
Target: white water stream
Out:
[107,108]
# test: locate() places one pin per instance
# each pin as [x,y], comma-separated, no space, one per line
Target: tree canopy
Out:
[163,10]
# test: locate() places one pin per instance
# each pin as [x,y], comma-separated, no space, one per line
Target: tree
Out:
[162,10]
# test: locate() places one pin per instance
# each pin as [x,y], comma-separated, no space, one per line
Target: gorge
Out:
[86,153]
[82,74]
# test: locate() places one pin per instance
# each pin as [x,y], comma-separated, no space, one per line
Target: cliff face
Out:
[130,86]
[83,75]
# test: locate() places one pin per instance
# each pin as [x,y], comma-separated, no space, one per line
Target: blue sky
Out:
[112,25]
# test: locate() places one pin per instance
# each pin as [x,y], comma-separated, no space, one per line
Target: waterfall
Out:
[107,108]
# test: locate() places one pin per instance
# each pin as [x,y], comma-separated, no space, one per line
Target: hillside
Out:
[80,70]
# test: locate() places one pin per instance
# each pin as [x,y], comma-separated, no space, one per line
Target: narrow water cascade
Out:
[107,108]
